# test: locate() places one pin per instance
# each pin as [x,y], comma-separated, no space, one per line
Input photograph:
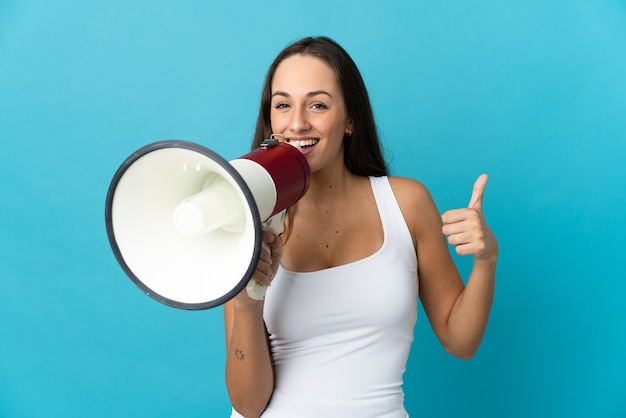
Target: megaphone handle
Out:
[274,225]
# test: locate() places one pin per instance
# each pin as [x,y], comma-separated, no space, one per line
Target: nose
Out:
[299,121]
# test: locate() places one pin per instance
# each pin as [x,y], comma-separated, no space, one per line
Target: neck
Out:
[328,187]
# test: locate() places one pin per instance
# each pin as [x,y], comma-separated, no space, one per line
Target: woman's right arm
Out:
[249,366]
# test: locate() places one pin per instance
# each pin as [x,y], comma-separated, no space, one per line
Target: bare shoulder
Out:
[411,194]
[416,204]
[406,187]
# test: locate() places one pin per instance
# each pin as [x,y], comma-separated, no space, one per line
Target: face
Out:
[308,108]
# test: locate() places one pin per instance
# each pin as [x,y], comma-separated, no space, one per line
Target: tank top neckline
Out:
[377,198]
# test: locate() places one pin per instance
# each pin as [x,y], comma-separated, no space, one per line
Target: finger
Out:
[466,249]
[276,244]
[476,201]
[266,253]
[263,274]
[464,236]
[457,215]
[458,239]
[272,253]
[267,236]
[454,228]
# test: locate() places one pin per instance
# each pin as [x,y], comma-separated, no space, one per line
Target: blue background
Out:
[532,92]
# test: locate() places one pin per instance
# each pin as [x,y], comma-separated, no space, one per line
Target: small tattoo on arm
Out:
[239,354]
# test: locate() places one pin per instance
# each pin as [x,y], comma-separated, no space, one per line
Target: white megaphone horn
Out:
[185,225]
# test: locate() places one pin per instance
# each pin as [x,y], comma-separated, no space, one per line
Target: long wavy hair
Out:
[363,153]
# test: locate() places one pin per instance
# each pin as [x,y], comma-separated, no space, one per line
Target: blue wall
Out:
[532,92]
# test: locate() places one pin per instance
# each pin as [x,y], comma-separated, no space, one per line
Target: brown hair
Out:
[362,150]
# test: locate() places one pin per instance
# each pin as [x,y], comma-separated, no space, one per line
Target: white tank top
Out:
[340,337]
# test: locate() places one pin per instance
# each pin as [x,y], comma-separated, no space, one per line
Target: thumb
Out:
[476,201]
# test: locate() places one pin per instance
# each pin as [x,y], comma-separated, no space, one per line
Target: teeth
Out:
[304,142]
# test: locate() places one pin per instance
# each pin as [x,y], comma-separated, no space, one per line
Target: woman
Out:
[333,335]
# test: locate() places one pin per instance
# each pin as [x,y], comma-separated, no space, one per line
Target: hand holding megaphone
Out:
[267,266]
[271,251]
[187,226]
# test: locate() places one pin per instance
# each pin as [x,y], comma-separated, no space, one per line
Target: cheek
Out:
[339,129]
[277,122]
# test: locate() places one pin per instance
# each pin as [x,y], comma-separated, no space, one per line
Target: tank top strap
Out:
[394,225]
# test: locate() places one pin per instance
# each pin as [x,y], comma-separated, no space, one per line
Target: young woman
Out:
[333,335]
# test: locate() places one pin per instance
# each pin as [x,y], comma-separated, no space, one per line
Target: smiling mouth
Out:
[303,143]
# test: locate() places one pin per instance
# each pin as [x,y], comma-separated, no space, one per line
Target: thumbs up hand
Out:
[466,228]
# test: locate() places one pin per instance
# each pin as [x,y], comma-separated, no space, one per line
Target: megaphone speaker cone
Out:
[185,224]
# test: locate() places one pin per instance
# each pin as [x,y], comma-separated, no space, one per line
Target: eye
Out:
[319,106]
[281,105]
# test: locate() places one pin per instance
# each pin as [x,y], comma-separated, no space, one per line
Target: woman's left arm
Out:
[468,232]
[458,313]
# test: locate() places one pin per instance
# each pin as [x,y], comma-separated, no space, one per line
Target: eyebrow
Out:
[309,94]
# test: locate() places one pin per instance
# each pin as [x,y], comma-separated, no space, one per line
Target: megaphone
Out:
[185,225]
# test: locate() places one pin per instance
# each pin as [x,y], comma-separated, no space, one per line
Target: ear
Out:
[349,127]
